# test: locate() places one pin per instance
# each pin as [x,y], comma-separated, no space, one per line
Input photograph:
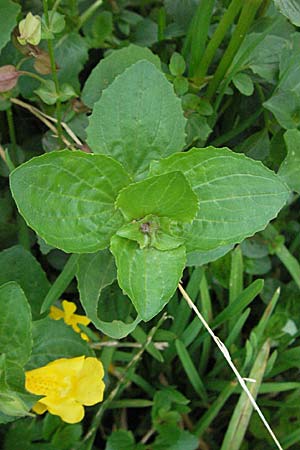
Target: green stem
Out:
[237,130]
[161,23]
[88,13]
[61,283]
[54,71]
[218,36]
[55,6]
[89,438]
[33,75]
[196,38]
[245,20]
[12,133]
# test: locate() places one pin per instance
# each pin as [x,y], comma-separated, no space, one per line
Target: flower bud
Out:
[30,30]
[8,78]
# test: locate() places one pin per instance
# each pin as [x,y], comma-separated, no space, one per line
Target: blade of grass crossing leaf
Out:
[107,355]
[190,370]
[290,263]
[241,302]
[207,314]
[235,332]
[229,360]
[183,311]
[236,274]
[243,410]
[291,439]
[214,410]
[140,336]
[130,403]
[196,38]
[142,383]
[260,328]
[61,283]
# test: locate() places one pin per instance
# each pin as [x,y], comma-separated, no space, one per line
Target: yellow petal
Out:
[67,409]
[90,387]
[56,313]
[69,308]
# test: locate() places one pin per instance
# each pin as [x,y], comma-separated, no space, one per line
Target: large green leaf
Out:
[95,272]
[53,339]
[289,169]
[68,198]
[148,276]
[290,9]
[108,68]
[237,196]
[17,264]
[168,195]
[15,324]
[138,118]
[8,13]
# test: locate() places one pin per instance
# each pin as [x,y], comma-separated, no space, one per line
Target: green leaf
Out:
[120,440]
[243,83]
[285,105]
[53,339]
[290,9]
[200,258]
[47,92]
[68,198]
[168,195]
[71,53]
[95,272]
[148,276]
[177,64]
[15,324]
[17,264]
[137,119]
[237,196]
[112,66]
[8,10]
[289,169]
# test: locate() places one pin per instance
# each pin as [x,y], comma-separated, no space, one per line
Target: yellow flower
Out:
[67,385]
[69,317]
[30,30]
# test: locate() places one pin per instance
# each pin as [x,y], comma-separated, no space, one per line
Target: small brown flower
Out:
[8,77]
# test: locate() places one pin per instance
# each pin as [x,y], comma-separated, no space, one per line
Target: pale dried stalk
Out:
[46,119]
[227,356]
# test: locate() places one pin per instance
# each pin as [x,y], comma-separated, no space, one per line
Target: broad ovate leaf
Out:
[148,276]
[138,118]
[168,195]
[15,324]
[68,198]
[237,195]
[112,66]
[94,273]
[9,11]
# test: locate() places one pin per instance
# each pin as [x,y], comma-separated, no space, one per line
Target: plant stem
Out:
[61,283]
[197,35]
[54,71]
[246,18]
[12,133]
[33,75]
[218,36]
[88,439]
[88,13]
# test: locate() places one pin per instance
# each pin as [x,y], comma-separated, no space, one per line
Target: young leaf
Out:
[112,66]
[138,118]
[289,169]
[148,276]
[237,196]
[68,198]
[15,324]
[94,273]
[168,195]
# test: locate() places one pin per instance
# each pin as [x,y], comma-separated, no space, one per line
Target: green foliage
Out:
[10,11]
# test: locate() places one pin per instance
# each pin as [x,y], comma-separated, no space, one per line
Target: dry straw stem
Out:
[227,356]
[47,120]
